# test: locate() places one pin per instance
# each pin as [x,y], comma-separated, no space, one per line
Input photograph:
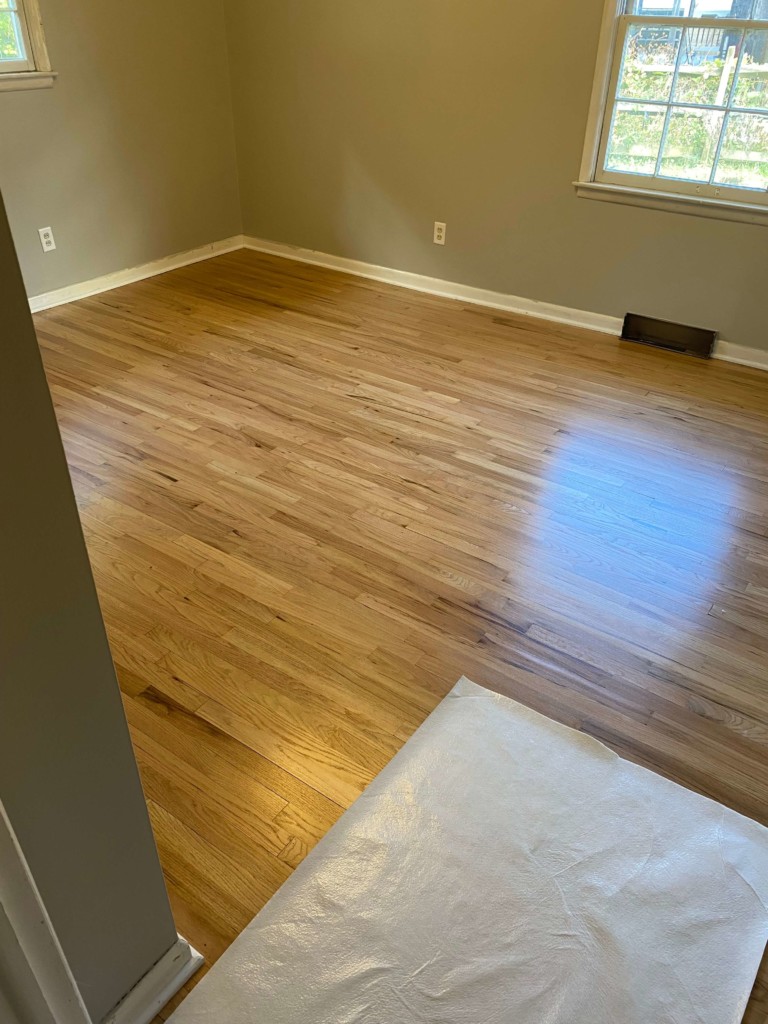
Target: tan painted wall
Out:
[130,157]
[357,125]
[360,122]
[68,778]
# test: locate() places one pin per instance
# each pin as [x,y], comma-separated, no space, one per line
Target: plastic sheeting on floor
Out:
[504,869]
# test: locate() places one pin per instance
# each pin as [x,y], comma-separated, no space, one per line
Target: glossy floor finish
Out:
[312,502]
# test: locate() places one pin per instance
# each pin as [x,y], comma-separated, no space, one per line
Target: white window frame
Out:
[724,202]
[35,71]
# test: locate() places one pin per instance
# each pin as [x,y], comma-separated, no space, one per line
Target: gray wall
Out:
[68,779]
[130,157]
[358,124]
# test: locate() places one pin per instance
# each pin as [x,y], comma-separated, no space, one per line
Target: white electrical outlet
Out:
[439,236]
[47,240]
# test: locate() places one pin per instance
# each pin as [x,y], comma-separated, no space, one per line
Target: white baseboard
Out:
[120,277]
[158,985]
[446,289]
[726,350]
[742,354]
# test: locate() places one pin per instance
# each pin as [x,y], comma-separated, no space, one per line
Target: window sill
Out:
[16,80]
[746,213]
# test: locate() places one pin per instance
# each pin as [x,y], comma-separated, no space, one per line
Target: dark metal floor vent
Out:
[693,341]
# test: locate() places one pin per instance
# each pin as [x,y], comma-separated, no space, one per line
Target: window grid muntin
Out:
[745,193]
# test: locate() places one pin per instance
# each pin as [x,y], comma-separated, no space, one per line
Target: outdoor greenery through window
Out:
[687,109]
[14,46]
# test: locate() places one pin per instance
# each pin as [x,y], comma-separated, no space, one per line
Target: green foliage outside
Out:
[9,48]
[693,135]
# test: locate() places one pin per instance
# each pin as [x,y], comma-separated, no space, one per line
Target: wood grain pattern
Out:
[312,502]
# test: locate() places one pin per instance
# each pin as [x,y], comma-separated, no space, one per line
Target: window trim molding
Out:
[40,74]
[609,30]
[589,186]
[13,81]
[676,202]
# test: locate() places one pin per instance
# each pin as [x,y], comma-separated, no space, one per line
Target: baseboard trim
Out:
[741,354]
[437,286]
[158,985]
[601,322]
[47,300]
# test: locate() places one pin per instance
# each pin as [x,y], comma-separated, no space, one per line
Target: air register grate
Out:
[692,341]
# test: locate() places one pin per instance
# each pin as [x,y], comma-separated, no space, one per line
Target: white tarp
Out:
[504,869]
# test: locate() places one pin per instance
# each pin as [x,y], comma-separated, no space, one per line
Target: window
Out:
[24,60]
[679,113]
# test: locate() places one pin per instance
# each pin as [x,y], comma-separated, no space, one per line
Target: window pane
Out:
[648,63]
[635,138]
[755,9]
[744,153]
[662,8]
[11,45]
[752,84]
[707,65]
[691,143]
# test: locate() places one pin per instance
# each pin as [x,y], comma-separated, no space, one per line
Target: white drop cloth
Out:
[504,869]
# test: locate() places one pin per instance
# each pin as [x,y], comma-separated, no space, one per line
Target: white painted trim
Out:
[34,25]
[446,289]
[49,970]
[595,182]
[16,81]
[601,322]
[122,277]
[34,72]
[34,932]
[603,65]
[405,279]
[741,354]
[676,202]
[27,62]
[158,985]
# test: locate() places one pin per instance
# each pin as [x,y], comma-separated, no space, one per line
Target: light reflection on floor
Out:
[623,513]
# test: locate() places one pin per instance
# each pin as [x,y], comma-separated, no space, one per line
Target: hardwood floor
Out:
[312,502]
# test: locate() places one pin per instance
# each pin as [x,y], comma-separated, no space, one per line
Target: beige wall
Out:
[360,122]
[130,156]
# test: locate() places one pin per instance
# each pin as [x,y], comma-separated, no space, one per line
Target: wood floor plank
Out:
[313,501]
